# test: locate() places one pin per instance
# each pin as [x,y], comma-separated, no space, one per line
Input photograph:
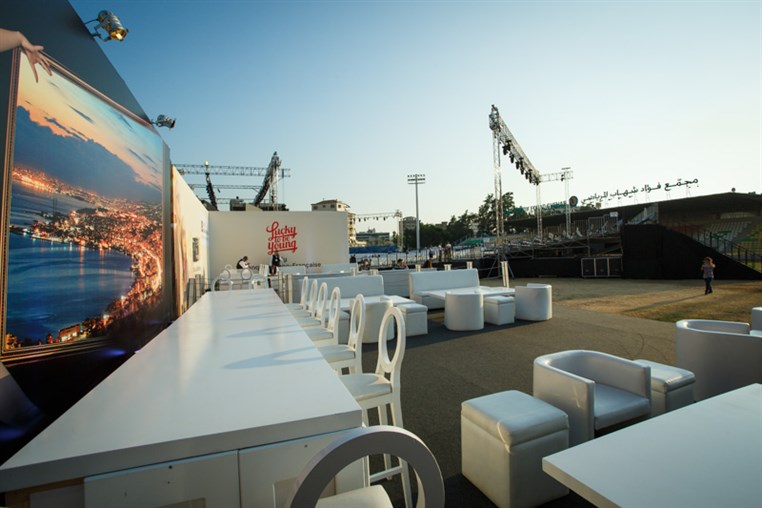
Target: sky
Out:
[357,95]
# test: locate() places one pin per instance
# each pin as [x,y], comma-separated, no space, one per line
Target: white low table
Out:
[346,303]
[233,389]
[705,454]
[485,290]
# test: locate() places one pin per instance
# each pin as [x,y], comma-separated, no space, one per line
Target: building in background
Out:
[335,205]
[372,238]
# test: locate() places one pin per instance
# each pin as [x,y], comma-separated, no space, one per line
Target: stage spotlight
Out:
[512,158]
[506,149]
[164,121]
[108,21]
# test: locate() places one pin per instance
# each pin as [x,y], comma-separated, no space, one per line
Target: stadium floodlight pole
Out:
[416,180]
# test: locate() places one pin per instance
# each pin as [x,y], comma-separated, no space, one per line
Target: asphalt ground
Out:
[444,368]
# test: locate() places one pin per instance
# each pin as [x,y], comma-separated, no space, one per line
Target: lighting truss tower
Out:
[564,175]
[502,137]
[397,214]
[272,174]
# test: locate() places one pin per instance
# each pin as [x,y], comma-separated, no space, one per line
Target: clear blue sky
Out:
[356,95]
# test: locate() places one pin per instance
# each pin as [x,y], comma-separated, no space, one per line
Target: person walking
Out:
[708,272]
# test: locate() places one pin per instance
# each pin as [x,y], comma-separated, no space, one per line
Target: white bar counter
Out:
[705,454]
[235,371]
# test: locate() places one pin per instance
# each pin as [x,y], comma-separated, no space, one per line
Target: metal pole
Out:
[417,179]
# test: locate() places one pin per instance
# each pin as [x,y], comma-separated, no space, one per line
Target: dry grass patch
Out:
[731,301]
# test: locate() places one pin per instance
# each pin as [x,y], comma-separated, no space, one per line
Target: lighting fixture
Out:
[164,121]
[109,23]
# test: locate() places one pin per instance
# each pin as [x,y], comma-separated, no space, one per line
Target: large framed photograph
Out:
[82,217]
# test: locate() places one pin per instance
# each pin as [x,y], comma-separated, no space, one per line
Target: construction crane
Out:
[271,175]
[502,137]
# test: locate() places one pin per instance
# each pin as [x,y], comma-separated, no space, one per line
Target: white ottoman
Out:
[756,318]
[671,387]
[534,302]
[464,310]
[374,313]
[499,310]
[416,318]
[504,437]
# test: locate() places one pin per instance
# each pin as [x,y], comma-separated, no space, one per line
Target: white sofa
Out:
[337,268]
[597,390]
[396,281]
[351,286]
[721,354]
[423,282]
[366,285]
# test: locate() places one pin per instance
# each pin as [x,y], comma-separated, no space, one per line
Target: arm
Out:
[10,39]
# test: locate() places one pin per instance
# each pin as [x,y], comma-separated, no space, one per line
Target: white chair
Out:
[251,280]
[381,390]
[317,317]
[723,355]
[348,355]
[357,444]
[597,390]
[309,304]
[222,282]
[329,334]
[303,296]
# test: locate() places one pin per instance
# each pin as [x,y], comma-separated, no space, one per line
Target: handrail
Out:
[728,248]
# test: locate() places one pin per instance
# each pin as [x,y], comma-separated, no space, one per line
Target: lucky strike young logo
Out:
[281,238]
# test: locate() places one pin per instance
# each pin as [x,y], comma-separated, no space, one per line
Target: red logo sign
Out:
[281,238]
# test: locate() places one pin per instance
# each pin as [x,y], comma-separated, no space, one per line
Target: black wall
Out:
[655,252]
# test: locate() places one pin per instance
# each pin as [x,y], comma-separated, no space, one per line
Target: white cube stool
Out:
[464,310]
[499,310]
[671,387]
[416,318]
[756,318]
[504,437]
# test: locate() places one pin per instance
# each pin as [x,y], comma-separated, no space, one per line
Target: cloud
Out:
[82,114]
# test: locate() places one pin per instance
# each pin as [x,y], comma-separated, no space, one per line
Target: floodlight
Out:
[164,121]
[109,23]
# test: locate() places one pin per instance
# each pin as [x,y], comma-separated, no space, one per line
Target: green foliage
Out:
[467,225]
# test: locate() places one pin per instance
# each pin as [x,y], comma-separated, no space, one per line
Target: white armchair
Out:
[723,355]
[534,302]
[596,390]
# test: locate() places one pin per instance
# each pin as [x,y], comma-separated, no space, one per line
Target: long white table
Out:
[706,454]
[234,380]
